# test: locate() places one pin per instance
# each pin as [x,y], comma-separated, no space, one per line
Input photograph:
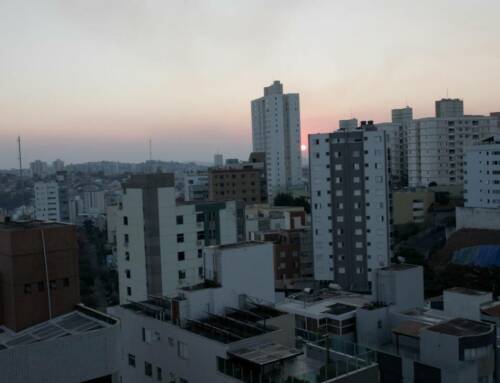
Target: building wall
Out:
[350,206]
[411,206]
[247,185]
[477,218]
[233,266]
[47,204]
[199,364]
[276,131]
[23,279]
[163,253]
[460,305]
[436,147]
[482,175]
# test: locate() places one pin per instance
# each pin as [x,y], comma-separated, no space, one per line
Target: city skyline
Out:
[184,73]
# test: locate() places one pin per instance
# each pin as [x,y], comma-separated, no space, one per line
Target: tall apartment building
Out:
[449,108]
[196,187]
[396,144]
[39,168]
[350,204]
[160,243]
[244,182]
[348,125]
[51,200]
[402,115]
[58,165]
[436,147]
[276,132]
[218,159]
[482,174]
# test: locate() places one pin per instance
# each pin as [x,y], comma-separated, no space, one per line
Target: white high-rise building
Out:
[402,115]
[57,165]
[396,137]
[449,108]
[350,201]
[348,125]
[196,186]
[39,168]
[51,202]
[160,243]
[218,160]
[276,132]
[436,147]
[482,174]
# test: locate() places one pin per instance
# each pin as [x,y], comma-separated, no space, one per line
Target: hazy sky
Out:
[94,79]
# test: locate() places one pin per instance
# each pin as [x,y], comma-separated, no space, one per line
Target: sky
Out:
[94,80]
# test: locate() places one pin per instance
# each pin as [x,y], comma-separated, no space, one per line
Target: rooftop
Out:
[324,302]
[234,325]
[466,291]
[265,353]
[409,328]
[462,327]
[399,267]
[492,309]
[239,245]
[80,321]
[28,225]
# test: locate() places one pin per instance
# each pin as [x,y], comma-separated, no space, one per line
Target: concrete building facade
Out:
[276,132]
[482,174]
[160,242]
[436,148]
[350,204]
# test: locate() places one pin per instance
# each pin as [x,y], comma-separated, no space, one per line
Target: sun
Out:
[303,147]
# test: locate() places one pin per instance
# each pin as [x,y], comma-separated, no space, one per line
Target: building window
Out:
[127,273]
[127,256]
[181,256]
[66,282]
[200,253]
[200,235]
[182,274]
[182,350]
[179,219]
[53,284]
[41,286]
[27,288]
[131,360]
[148,369]
[129,291]
[159,374]
[125,220]
[200,272]
[126,238]
[180,238]
[200,217]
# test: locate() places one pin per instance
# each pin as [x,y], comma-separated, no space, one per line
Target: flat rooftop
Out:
[234,325]
[324,303]
[80,321]
[400,266]
[265,353]
[492,309]
[29,225]
[466,291]
[462,327]
[239,245]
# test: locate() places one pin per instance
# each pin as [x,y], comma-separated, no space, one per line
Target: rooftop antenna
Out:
[150,150]
[20,157]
